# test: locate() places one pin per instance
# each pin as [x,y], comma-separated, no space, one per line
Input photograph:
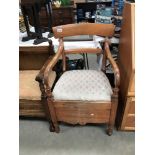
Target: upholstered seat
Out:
[89,85]
[28,87]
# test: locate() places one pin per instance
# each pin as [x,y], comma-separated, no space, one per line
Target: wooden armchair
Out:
[81,96]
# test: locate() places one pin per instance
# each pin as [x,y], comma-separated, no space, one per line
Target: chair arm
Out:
[113,63]
[51,64]
[40,75]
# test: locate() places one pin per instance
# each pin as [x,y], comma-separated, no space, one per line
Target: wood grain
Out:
[31,108]
[76,112]
[126,62]
[83,29]
[81,112]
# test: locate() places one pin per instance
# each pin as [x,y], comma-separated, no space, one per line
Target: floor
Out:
[35,139]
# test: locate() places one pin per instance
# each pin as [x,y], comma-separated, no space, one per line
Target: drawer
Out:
[62,21]
[62,13]
[82,113]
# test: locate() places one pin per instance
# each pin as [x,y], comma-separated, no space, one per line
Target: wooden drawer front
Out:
[82,113]
[59,13]
[62,21]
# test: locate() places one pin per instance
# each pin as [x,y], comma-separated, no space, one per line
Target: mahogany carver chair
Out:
[81,96]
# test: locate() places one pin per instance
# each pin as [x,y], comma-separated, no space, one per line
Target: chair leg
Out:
[110,130]
[54,124]
[114,105]
[44,103]
[52,127]
[57,129]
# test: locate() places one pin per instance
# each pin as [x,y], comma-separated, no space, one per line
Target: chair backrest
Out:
[106,30]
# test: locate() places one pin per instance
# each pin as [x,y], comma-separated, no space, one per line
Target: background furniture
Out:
[30,10]
[85,107]
[63,15]
[60,16]
[126,109]
[31,59]
[82,8]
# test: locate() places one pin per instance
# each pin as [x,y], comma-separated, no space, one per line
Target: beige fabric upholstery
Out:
[90,85]
[81,44]
[28,87]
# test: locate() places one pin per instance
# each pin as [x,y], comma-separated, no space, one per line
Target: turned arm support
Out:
[52,63]
[40,76]
[113,64]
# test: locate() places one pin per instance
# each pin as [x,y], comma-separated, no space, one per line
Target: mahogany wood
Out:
[77,112]
[31,108]
[83,50]
[113,64]
[81,112]
[84,29]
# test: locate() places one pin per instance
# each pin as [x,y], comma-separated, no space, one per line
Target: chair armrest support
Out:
[113,63]
[51,64]
[40,75]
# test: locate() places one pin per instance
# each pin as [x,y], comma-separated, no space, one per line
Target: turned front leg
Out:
[114,105]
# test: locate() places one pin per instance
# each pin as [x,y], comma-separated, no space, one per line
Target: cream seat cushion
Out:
[81,44]
[28,87]
[89,85]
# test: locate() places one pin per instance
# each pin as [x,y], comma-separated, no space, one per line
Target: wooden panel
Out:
[82,113]
[32,61]
[84,29]
[126,50]
[34,49]
[132,83]
[129,114]
[130,122]
[62,16]
[62,21]
[126,62]
[132,106]
[83,50]
[31,108]
[61,13]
